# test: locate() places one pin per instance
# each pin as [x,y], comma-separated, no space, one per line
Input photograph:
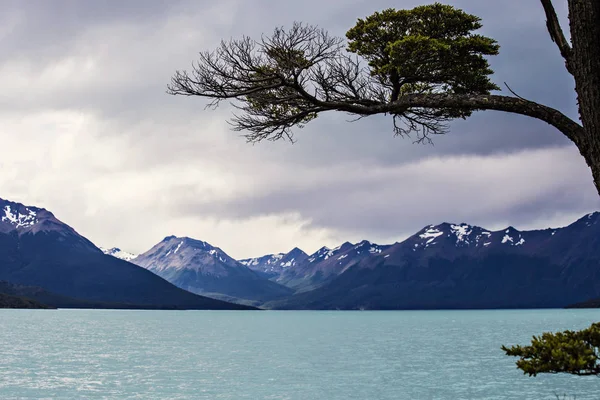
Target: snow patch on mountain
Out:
[374,250]
[178,247]
[267,260]
[464,235]
[461,232]
[322,254]
[430,235]
[590,219]
[275,263]
[213,252]
[288,263]
[118,253]
[513,237]
[366,246]
[17,219]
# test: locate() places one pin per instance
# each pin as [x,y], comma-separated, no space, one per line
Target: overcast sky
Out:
[87,131]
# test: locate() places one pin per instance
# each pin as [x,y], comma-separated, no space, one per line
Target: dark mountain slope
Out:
[460,266]
[36,249]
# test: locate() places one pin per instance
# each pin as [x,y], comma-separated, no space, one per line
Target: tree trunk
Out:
[584,17]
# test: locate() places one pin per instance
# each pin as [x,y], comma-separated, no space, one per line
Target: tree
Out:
[572,352]
[423,67]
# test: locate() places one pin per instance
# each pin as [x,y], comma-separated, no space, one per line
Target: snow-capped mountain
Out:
[272,265]
[363,248]
[451,241]
[22,220]
[464,266]
[464,235]
[325,253]
[199,267]
[37,249]
[326,264]
[118,253]
[182,253]
[16,217]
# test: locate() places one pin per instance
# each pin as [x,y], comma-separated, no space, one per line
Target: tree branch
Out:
[406,103]
[556,33]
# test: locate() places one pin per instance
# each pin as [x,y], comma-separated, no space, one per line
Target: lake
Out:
[292,355]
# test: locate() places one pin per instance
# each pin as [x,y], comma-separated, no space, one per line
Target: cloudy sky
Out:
[88,132]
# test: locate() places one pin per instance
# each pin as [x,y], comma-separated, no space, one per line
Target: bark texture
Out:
[515,105]
[584,17]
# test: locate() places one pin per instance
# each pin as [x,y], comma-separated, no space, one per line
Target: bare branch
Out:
[556,33]
[513,92]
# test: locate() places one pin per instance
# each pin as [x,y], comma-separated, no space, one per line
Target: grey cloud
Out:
[44,29]
[132,87]
[145,161]
[523,187]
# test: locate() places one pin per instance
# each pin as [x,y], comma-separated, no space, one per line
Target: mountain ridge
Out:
[118,253]
[271,265]
[201,268]
[37,249]
[464,266]
[358,273]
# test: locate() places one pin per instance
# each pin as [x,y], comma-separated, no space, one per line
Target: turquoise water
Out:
[97,354]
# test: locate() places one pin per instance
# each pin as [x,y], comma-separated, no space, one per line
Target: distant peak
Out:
[343,247]
[461,225]
[187,241]
[118,253]
[296,250]
[431,231]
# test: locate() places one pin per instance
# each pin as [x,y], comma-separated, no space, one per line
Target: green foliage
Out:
[429,49]
[573,352]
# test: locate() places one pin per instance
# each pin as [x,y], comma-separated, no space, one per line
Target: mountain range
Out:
[441,266]
[43,261]
[463,266]
[38,250]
